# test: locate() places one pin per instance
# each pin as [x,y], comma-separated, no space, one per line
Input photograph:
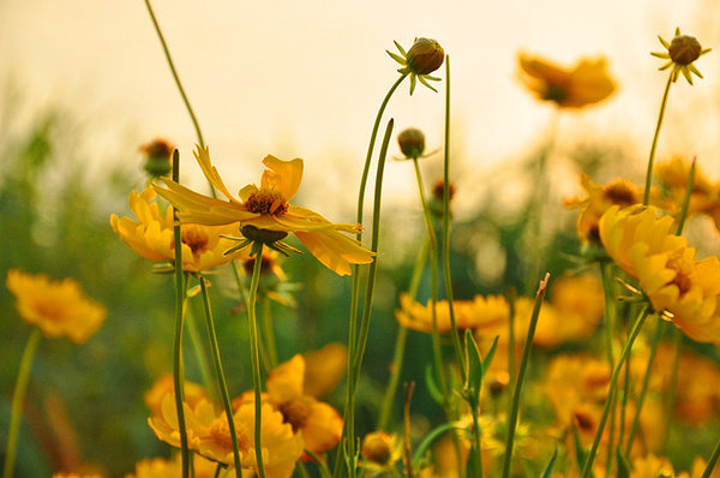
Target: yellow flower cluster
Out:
[59,308]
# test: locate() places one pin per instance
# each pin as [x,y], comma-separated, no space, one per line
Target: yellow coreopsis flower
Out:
[209,435]
[587,83]
[267,208]
[151,236]
[59,308]
[682,289]
[320,424]
[324,369]
[153,398]
[380,452]
[674,176]
[481,313]
[172,468]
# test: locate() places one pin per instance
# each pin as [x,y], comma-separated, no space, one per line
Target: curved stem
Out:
[648,175]
[397,363]
[255,356]
[712,461]
[178,374]
[269,331]
[431,437]
[220,376]
[18,399]
[587,468]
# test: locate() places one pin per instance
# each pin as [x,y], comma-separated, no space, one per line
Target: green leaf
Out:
[580,452]
[473,466]
[549,468]
[432,387]
[491,354]
[474,366]
[623,465]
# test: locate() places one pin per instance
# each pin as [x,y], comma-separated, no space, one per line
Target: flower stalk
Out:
[255,356]
[648,175]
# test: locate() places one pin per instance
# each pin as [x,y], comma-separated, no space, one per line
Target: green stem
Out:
[512,296]
[513,418]
[359,353]
[196,342]
[672,387]
[477,431]
[587,468]
[255,356]
[645,384]
[18,399]
[180,293]
[712,461]
[431,437]
[686,199]
[648,176]
[269,330]
[397,363]
[220,376]
[610,319]
[446,225]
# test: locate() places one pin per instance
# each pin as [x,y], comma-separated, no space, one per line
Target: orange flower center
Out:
[266,201]
[295,412]
[683,276]
[584,421]
[194,237]
[620,193]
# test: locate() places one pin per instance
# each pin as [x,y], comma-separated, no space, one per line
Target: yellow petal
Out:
[335,250]
[285,382]
[203,158]
[323,428]
[282,176]
[198,209]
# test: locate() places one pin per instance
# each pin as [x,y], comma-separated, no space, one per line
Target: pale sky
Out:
[305,78]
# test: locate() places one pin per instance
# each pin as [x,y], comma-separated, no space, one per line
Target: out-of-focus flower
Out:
[412,143]
[153,398]
[59,308]
[673,177]
[76,475]
[209,435]
[436,202]
[481,313]
[652,466]
[684,290]
[152,236]
[380,451]
[157,158]
[425,56]
[682,52]
[319,424]
[587,83]
[324,369]
[265,215]
[172,468]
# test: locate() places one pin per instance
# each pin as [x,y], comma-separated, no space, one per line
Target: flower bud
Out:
[425,56]
[157,157]
[377,447]
[412,143]
[684,49]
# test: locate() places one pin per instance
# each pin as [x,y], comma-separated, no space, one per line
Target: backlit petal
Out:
[335,250]
[282,176]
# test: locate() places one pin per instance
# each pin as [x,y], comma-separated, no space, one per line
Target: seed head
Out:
[684,49]
[412,143]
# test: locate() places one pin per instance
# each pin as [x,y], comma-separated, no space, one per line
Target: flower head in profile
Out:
[424,56]
[265,214]
[59,308]
[157,158]
[587,83]
[380,452]
[209,435]
[172,468]
[151,236]
[679,287]
[319,424]
[486,313]
[681,52]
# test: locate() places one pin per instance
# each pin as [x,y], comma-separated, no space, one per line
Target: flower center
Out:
[266,201]
[220,434]
[295,412]
[556,93]
[195,237]
[584,421]
[620,193]
[683,276]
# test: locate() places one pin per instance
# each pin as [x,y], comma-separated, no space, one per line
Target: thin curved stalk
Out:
[220,376]
[18,399]
[269,331]
[255,357]
[712,461]
[651,160]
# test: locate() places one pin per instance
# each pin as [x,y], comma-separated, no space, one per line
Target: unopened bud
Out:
[425,56]
[157,157]
[377,448]
[412,143]
[684,49]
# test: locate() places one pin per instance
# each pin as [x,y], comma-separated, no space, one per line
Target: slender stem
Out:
[477,431]
[355,298]
[18,399]
[367,306]
[513,418]
[512,296]
[407,451]
[430,439]
[269,330]
[196,342]
[220,375]
[712,461]
[446,225]
[255,356]
[645,384]
[178,83]
[180,293]
[686,199]
[587,468]
[610,319]
[397,363]
[648,176]
[672,387]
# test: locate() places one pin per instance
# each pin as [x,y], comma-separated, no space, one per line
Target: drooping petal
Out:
[203,158]
[335,250]
[302,219]
[199,209]
[282,176]
[323,428]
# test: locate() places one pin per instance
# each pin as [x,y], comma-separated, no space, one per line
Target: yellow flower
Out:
[172,468]
[319,423]
[586,83]
[673,177]
[152,236]
[267,209]
[481,313]
[59,308]
[209,435]
[682,289]
[153,398]
[324,369]
[682,51]
[380,452]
